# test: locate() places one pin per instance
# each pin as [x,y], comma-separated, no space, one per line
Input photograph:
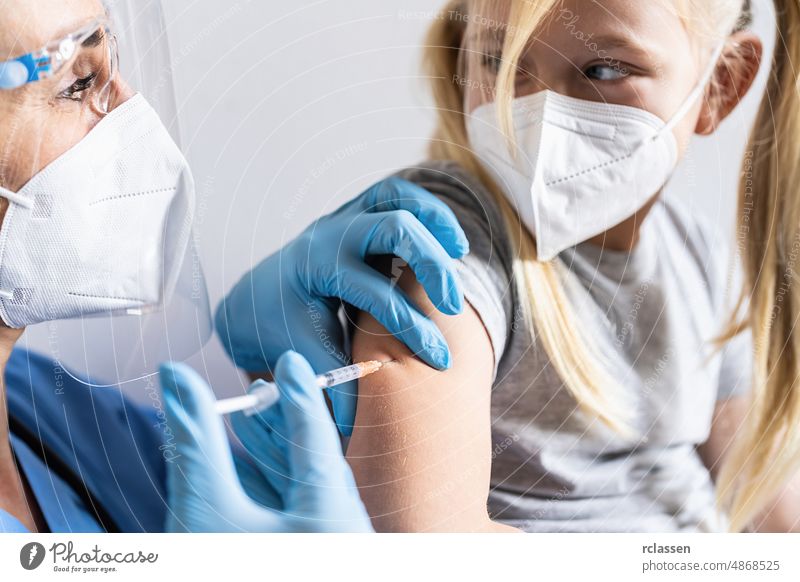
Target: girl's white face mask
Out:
[579,167]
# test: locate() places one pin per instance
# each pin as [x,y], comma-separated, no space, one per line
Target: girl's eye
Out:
[492,62]
[605,73]
[75,91]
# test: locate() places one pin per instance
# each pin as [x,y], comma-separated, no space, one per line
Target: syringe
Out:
[264,394]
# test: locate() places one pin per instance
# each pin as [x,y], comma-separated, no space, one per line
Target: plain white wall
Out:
[288,109]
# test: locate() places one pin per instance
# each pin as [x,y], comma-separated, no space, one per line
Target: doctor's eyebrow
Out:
[95,39]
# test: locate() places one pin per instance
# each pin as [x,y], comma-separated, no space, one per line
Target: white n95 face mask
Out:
[580,167]
[103,228]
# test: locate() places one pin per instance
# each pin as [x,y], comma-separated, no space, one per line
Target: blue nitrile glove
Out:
[204,491]
[291,300]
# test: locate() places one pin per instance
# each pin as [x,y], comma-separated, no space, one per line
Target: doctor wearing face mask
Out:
[97,205]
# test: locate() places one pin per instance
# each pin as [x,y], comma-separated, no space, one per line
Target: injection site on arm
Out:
[421,445]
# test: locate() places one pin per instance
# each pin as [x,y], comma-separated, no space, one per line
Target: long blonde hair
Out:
[766,452]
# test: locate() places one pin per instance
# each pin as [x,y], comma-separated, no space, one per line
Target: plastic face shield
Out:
[79,75]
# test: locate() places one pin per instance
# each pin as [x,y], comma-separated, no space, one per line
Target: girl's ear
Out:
[736,71]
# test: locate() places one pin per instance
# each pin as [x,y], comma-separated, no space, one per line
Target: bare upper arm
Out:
[421,446]
[728,416]
[783,514]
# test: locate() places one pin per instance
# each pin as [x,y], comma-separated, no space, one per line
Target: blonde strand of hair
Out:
[766,453]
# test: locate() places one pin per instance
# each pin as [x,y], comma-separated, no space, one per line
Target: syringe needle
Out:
[264,394]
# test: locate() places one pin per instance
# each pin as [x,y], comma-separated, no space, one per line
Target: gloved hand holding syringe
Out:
[264,394]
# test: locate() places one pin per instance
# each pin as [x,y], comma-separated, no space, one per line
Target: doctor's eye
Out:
[606,72]
[75,91]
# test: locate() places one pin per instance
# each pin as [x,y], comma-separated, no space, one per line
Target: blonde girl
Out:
[587,392]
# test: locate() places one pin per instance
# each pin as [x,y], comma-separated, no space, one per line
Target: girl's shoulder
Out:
[691,232]
[455,185]
[476,208]
[487,272]
[691,237]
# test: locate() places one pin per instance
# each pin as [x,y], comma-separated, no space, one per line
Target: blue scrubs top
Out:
[116,448]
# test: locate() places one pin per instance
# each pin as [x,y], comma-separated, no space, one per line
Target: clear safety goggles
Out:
[84,62]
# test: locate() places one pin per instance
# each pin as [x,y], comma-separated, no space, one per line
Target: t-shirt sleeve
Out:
[485,273]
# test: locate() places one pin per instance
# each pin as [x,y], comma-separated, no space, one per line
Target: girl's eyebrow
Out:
[612,41]
[638,49]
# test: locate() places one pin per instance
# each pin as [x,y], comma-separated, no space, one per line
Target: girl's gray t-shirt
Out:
[654,313]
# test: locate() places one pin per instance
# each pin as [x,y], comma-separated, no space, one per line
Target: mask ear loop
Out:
[696,92]
[25,202]
[18,199]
